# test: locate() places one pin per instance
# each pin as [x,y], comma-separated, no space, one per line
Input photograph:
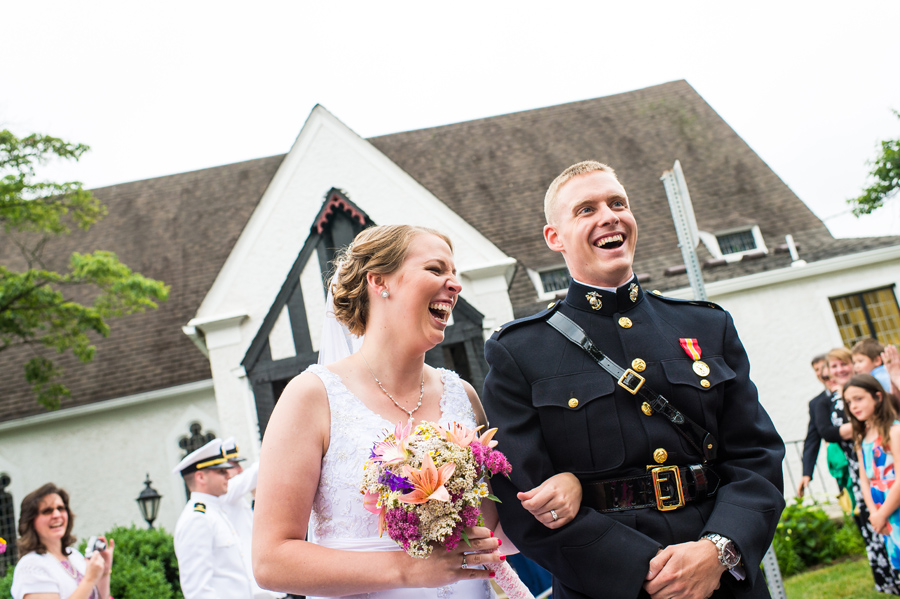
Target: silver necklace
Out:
[391,397]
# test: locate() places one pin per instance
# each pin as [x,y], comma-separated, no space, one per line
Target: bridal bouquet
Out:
[426,486]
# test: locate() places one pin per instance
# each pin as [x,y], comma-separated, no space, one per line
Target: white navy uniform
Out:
[210,553]
[238,511]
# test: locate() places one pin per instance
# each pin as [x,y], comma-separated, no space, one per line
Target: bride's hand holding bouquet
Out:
[426,485]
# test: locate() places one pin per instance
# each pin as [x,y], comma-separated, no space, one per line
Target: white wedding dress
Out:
[338,518]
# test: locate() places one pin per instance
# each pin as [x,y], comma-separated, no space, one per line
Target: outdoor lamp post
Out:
[148,501]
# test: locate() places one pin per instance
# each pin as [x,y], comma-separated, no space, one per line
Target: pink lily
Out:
[370,502]
[486,439]
[428,482]
[394,452]
[459,434]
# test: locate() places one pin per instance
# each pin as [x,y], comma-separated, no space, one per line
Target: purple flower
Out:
[497,463]
[480,452]
[469,516]
[395,483]
[402,526]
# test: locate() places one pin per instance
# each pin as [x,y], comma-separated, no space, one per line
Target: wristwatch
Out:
[729,556]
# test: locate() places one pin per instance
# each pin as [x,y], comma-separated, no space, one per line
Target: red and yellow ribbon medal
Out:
[692,348]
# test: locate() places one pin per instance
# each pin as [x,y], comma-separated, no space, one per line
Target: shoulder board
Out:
[674,300]
[200,507]
[542,315]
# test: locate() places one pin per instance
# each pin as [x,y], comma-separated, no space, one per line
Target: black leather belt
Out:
[663,488]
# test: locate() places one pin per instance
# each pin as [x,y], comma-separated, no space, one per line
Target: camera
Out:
[94,544]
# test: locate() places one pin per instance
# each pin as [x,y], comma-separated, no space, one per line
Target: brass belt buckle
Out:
[631,376]
[667,474]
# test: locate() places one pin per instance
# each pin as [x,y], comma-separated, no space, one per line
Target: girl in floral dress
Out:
[876,436]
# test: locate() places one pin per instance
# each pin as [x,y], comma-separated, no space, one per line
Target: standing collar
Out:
[596,300]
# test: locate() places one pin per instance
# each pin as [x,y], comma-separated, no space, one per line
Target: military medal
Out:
[595,299]
[692,348]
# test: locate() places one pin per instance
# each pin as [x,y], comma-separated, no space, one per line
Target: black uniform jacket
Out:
[820,427]
[534,374]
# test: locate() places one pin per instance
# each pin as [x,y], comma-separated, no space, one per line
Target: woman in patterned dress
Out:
[840,367]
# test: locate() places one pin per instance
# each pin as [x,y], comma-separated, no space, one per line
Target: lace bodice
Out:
[338,511]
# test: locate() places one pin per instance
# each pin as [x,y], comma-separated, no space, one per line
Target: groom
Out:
[678,501]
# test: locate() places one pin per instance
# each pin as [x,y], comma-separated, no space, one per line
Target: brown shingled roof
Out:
[492,171]
[179,229]
[495,171]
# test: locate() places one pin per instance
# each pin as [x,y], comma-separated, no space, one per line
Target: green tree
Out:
[885,176]
[38,306]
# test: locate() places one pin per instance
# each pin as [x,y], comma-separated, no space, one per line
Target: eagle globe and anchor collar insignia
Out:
[608,302]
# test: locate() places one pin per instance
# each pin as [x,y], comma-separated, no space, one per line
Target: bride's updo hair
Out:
[379,250]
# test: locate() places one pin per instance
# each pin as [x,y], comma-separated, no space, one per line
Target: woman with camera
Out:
[48,568]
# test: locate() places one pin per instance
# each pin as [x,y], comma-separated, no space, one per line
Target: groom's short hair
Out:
[582,168]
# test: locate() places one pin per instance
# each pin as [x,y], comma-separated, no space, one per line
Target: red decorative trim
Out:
[335,202]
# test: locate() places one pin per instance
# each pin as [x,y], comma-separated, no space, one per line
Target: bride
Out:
[397,284]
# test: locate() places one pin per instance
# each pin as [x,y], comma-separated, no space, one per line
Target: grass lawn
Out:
[850,579]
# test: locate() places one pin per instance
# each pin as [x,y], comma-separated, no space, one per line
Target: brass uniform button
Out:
[573,403]
[701,368]
[625,322]
[660,455]
[704,383]
[646,409]
[638,365]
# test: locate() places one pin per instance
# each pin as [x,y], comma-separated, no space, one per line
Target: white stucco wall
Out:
[326,154]
[101,453]
[784,318]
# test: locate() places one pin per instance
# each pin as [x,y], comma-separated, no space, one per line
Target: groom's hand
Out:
[684,571]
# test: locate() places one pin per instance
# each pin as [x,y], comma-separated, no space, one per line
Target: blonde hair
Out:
[379,250]
[582,168]
[841,354]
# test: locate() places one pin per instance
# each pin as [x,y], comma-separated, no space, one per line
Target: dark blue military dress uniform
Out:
[558,411]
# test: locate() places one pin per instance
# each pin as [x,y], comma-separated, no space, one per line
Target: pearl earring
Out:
[384,293]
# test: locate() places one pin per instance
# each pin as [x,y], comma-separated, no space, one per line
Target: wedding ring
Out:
[555,515]
[464,564]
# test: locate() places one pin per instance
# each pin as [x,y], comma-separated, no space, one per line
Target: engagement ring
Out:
[464,564]
[555,515]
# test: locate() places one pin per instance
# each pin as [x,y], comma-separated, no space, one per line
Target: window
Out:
[550,282]
[555,280]
[731,243]
[872,313]
[735,243]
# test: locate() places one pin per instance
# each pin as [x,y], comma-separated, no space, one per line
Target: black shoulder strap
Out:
[632,382]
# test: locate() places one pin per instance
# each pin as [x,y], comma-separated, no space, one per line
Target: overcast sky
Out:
[157,88]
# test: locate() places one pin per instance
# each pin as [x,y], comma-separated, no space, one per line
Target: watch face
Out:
[730,555]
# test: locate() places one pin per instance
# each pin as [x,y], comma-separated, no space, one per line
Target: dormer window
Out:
[550,282]
[733,244]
